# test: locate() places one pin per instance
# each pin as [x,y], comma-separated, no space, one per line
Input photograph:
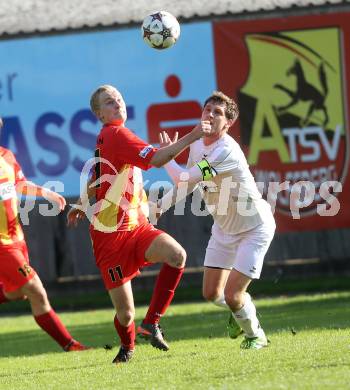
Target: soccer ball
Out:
[160,30]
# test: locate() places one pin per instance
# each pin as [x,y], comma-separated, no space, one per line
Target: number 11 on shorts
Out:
[115,272]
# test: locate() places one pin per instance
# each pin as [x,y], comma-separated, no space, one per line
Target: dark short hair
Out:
[231,108]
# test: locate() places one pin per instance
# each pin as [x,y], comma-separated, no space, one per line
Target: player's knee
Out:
[177,258]
[235,300]
[126,317]
[210,295]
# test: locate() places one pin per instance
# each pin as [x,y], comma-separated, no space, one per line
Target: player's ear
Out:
[229,123]
[98,115]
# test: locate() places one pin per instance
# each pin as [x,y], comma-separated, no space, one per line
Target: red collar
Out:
[115,122]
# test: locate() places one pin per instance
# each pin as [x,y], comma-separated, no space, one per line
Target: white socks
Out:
[221,302]
[246,318]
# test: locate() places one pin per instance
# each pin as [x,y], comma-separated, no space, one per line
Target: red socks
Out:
[126,333]
[53,326]
[49,322]
[3,299]
[164,290]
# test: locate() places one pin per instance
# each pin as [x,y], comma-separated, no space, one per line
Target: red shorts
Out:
[15,270]
[119,255]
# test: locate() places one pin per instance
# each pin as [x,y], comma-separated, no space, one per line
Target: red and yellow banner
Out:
[289,79]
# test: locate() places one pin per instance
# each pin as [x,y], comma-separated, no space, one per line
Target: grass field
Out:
[310,349]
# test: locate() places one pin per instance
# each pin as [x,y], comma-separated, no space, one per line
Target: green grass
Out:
[66,299]
[310,349]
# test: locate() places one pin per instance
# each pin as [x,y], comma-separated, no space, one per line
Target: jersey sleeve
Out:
[131,149]
[220,160]
[190,161]
[177,173]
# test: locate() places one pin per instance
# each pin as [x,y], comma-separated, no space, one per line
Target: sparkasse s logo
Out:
[293,120]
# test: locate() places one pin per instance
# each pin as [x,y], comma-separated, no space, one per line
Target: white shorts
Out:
[244,252]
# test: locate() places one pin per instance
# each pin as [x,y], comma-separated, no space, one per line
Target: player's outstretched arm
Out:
[31,189]
[178,174]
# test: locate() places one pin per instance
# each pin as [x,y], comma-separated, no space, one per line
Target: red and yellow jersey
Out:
[121,202]
[10,174]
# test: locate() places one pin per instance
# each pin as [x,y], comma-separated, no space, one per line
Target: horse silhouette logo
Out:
[293,123]
[307,92]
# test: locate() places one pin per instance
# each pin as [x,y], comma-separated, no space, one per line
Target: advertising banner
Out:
[46,83]
[289,77]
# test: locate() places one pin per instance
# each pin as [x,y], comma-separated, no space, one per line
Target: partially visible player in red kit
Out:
[123,239]
[18,280]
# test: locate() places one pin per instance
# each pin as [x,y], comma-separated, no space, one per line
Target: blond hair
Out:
[231,108]
[95,97]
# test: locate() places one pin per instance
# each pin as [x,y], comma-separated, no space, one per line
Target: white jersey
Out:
[228,187]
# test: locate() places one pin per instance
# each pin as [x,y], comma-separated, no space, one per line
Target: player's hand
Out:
[74,216]
[165,140]
[56,198]
[202,129]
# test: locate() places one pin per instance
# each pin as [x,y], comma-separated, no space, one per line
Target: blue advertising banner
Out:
[46,83]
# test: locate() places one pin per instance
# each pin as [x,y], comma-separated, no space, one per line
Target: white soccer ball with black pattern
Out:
[160,30]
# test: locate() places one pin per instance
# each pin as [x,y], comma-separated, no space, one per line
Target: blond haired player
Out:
[122,237]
